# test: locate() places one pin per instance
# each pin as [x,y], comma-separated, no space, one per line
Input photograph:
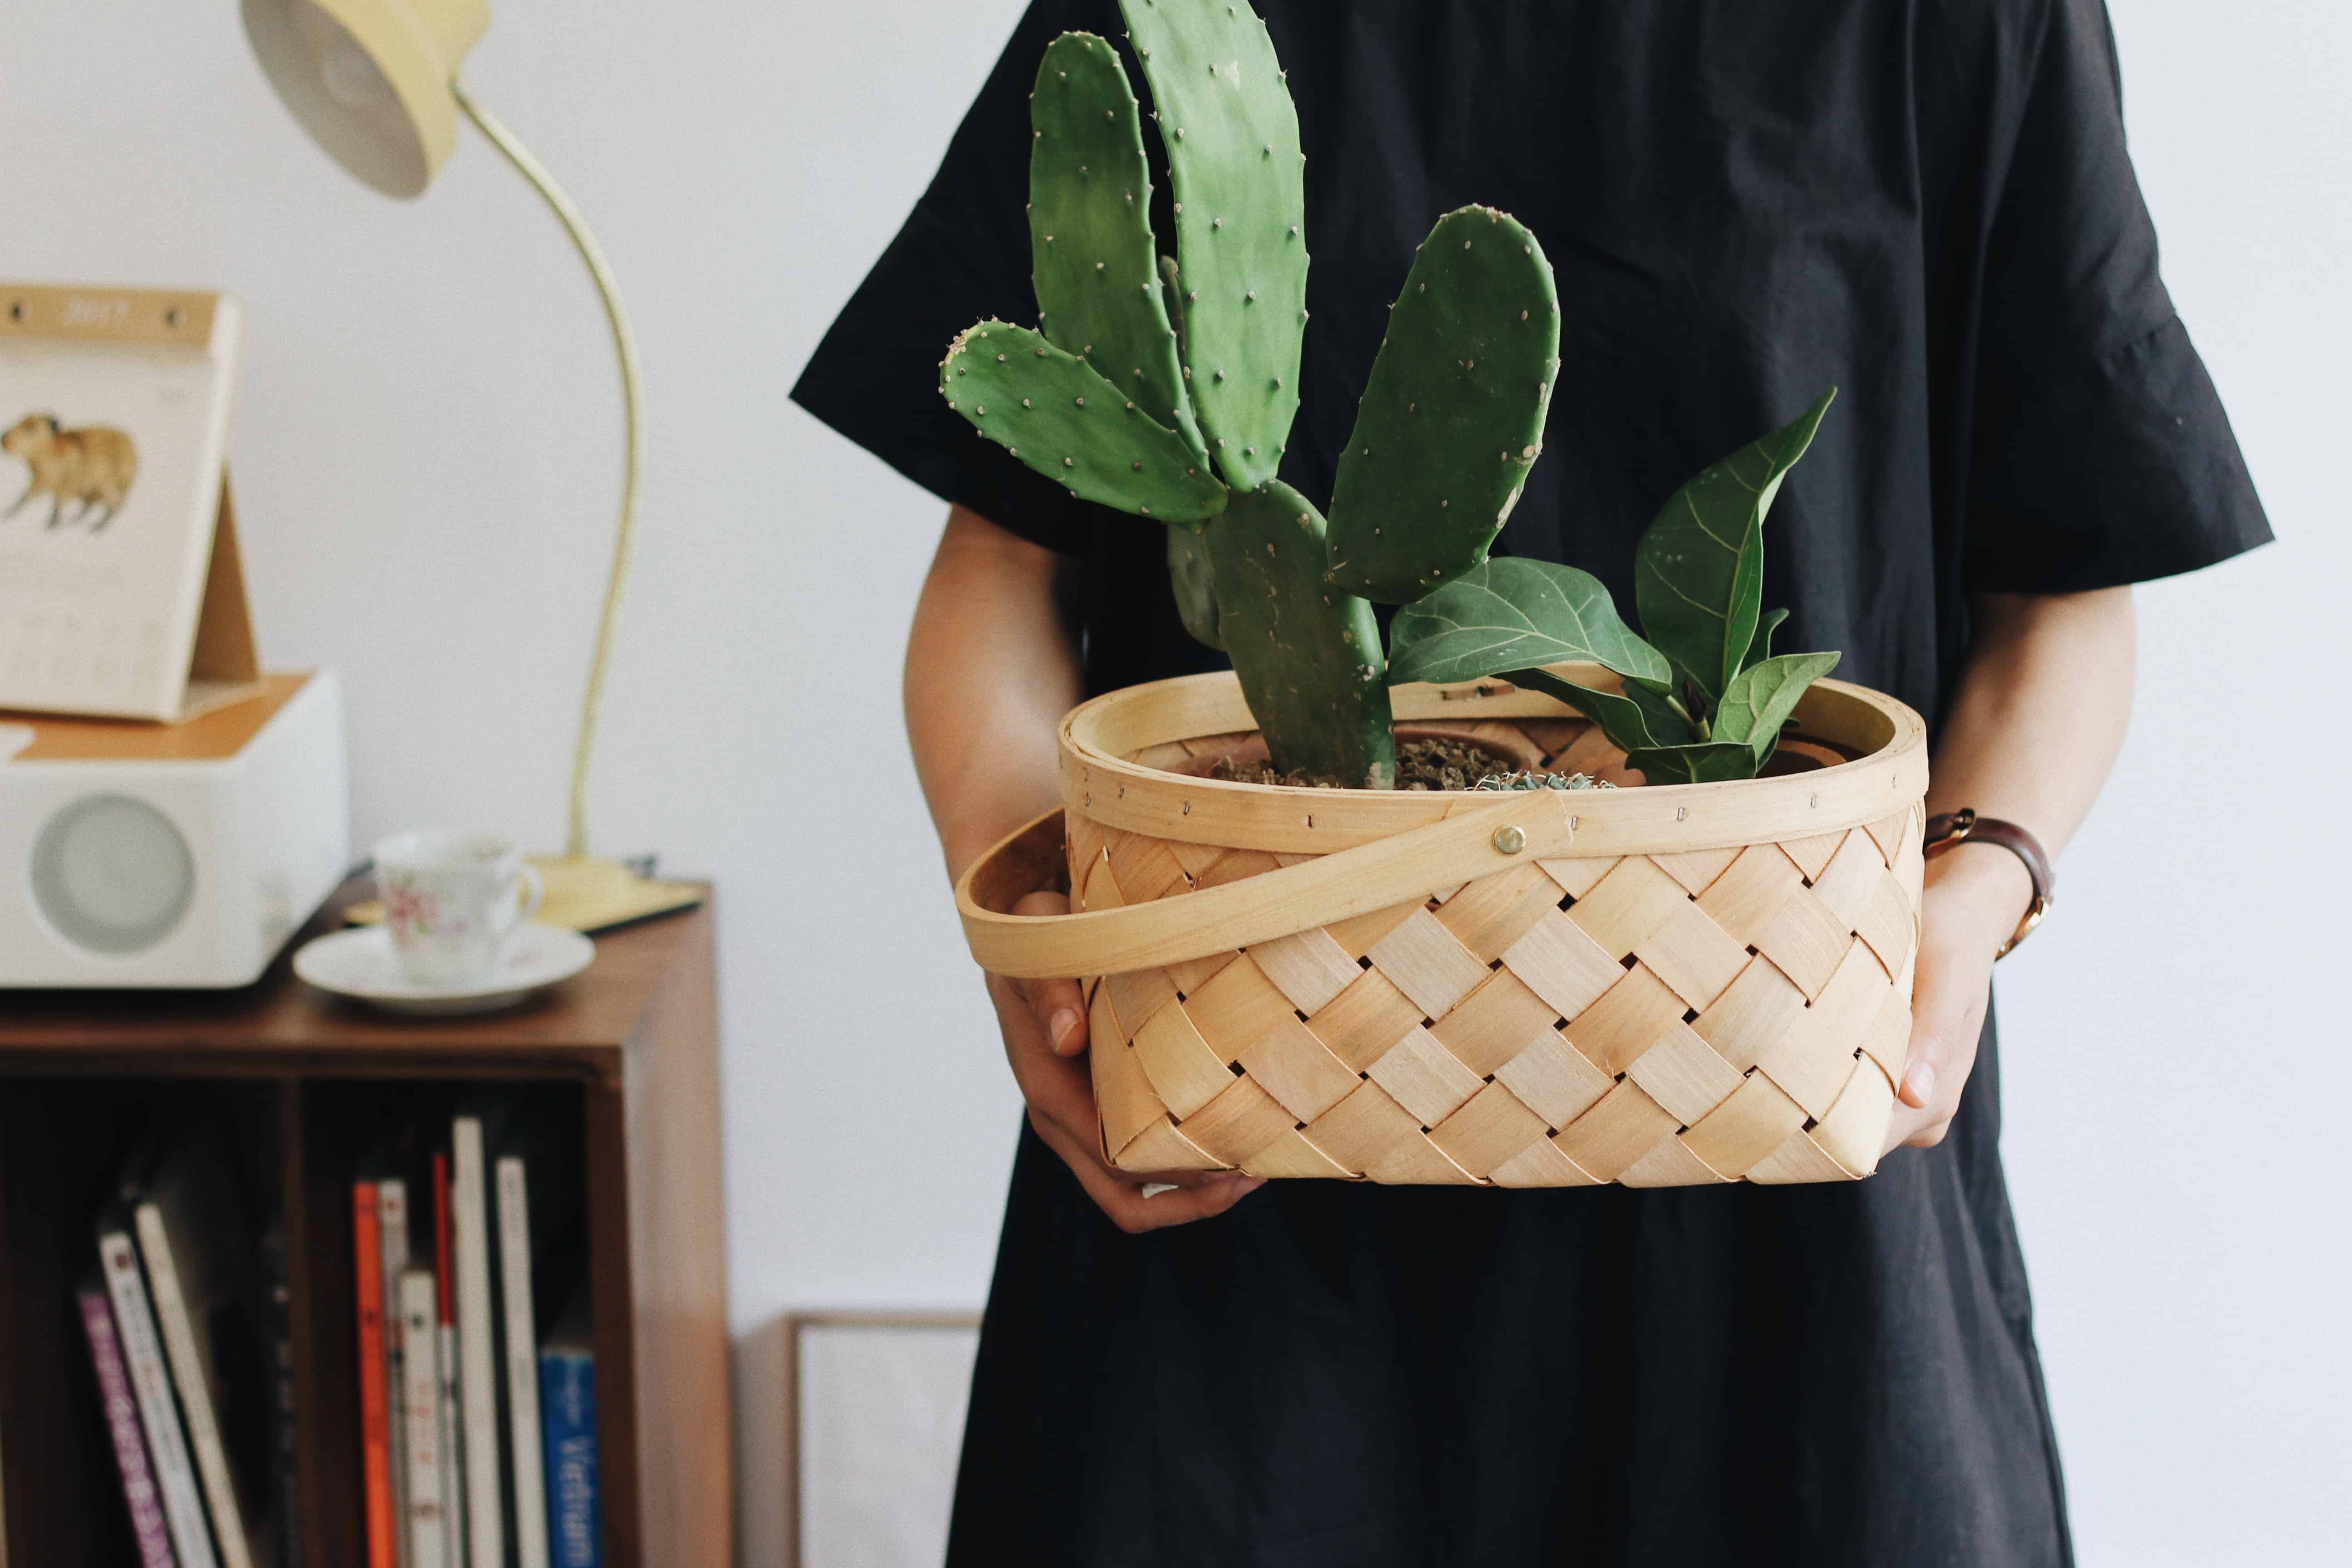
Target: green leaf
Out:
[1698,572]
[1761,648]
[1191,578]
[1620,718]
[1669,726]
[1512,613]
[1708,762]
[1760,698]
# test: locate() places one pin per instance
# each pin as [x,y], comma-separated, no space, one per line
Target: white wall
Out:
[424,458]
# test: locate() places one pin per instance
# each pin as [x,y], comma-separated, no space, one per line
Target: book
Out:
[151,1386]
[567,1405]
[522,1348]
[421,1424]
[453,1497]
[190,1232]
[139,1493]
[477,1359]
[392,1230]
[375,1433]
[285,1430]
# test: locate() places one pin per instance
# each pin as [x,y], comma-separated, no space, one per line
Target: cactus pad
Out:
[1231,135]
[1193,583]
[1093,259]
[1454,416]
[1056,414]
[1307,655]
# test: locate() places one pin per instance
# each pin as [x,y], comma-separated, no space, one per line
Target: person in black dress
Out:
[1926,201]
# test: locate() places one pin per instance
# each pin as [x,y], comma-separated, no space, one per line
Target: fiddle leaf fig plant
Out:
[1165,386]
[1704,698]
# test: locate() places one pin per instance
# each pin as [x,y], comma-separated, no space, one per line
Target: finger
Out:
[1121,1199]
[1133,1212]
[1061,1012]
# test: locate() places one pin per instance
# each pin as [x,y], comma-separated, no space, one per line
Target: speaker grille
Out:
[113,874]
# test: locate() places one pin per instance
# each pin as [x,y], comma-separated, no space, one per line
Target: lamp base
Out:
[591,894]
[586,893]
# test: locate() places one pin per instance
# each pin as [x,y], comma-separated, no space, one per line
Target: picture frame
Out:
[874,1404]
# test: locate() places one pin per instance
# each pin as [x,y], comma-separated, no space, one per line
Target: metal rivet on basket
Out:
[1813,800]
[1509,839]
[1681,811]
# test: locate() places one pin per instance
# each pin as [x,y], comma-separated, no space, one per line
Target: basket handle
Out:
[1388,872]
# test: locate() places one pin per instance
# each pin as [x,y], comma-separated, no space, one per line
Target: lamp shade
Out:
[369,80]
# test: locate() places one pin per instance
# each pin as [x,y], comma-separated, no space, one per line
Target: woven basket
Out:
[1657,986]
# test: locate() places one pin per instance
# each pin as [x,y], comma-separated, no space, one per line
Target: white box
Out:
[158,855]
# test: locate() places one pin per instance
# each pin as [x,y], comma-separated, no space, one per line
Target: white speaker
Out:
[183,854]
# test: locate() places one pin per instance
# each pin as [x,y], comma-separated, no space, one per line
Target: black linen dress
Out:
[1928,204]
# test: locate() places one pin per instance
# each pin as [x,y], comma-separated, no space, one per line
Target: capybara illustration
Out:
[92,467]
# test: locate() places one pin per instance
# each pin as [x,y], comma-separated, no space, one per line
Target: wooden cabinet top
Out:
[279,1026]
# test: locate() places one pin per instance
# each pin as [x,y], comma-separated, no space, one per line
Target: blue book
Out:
[567,1419]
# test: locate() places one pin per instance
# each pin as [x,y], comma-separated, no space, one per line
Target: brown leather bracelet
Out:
[1949,830]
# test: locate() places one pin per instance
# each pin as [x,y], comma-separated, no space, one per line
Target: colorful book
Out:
[567,1405]
[392,1231]
[151,1386]
[146,1505]
[189,1229]
[421,1412]
[521,1336]
[453,1495]
[376,1431]
[477,1359]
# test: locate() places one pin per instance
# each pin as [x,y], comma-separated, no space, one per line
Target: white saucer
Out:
[361,965]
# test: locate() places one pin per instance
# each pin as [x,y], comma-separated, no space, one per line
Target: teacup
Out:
[451,901]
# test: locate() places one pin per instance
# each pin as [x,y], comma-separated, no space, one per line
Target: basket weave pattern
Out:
[1654,1020]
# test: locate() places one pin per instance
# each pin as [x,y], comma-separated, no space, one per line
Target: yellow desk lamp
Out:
[376,83]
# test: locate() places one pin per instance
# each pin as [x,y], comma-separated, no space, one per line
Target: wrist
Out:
[1981,889]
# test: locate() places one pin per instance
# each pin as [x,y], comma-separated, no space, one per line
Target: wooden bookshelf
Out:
[622,1060]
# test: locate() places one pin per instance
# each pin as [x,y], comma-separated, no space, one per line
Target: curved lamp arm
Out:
[625,343]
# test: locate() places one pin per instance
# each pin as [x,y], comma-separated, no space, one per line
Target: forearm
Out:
[991,669]
[2034,732]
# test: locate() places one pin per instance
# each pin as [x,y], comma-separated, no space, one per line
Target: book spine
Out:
[286,1436]
[522,1362]
[392,1231]
[567,1403]
[147,1526]
[195,1383]
[167,1447]
[453,1475]
[375,1436]
[420,1333]
[476,1356]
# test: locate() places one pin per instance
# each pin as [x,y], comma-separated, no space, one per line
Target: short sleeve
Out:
[2102,454]
[962,256]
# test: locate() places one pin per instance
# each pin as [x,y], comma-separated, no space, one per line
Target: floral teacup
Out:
[451,901]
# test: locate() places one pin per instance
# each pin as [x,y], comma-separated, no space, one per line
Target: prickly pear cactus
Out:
[1094,263]
[1307,655]
[1231,135]
[1454,416]
[1058,415]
